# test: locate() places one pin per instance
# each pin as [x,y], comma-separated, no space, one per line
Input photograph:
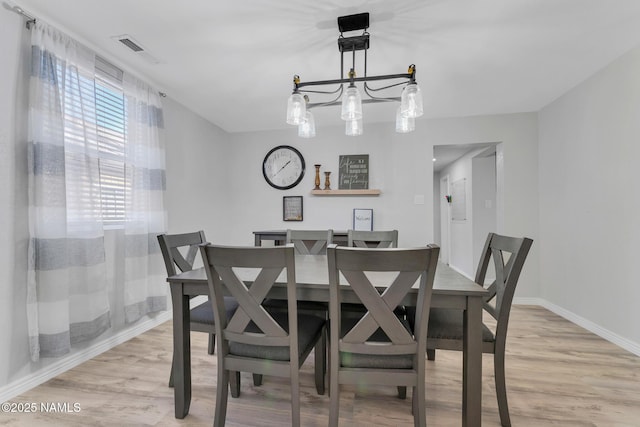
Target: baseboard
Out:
[27,382]
[612,337]
[528,301]
[606,334]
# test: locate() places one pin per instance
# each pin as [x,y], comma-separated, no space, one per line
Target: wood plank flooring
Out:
[557,374]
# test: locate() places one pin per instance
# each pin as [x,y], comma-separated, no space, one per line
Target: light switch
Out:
[418,199]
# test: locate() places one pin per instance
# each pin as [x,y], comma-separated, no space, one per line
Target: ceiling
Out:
[232,62]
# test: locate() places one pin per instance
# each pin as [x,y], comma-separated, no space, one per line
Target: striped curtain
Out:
[67,300]
[78,183]
[145,216]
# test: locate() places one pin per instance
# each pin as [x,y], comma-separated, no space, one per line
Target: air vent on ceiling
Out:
[131,44]
[136,48]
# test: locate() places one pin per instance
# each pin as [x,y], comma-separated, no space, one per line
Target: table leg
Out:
[181,351]
[472,364]
[257,240]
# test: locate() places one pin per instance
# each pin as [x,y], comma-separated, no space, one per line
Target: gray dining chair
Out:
[379,348]
[310,242]
[179,252]
[372,239]
[446,325]
[255,339]
[305,242]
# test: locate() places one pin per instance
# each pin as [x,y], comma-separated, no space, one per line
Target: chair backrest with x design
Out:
[509,255]
[372,239]
[401,269]
[222,264]
[180,250]
[310,242]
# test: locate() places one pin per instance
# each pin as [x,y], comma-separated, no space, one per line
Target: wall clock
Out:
[283,167]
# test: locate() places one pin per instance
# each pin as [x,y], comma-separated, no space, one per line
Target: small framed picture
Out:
[363,219]
[292,208]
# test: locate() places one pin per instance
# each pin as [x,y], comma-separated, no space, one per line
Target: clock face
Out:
[283,167]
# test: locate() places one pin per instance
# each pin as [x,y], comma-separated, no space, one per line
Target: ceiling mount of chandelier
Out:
[346,90]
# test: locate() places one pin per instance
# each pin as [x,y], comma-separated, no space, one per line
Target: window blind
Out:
[111,126]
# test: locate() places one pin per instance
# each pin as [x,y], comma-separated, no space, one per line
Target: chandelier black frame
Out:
[352,45]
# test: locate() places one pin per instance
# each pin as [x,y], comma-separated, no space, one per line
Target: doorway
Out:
[476,167]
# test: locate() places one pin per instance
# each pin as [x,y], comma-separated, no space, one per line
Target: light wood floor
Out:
[557,374]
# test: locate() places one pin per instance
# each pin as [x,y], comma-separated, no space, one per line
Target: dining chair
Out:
[305,242]
[255,339]
[446,325]
[310,242]
[375,239]
[179,252]
[371,239]
[379,348]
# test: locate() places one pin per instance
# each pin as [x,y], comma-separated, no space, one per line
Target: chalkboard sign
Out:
[354,172]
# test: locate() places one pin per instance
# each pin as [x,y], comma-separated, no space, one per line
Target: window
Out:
[110,123]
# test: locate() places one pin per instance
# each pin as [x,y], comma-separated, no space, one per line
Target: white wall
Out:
[399,165]
[198,195]
[483,205]
[590,203]
[13,197]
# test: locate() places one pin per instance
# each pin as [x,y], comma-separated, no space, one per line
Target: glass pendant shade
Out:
[307,129]
[404,124]
[296,109]
[353,127]
[351,104]
[411,101]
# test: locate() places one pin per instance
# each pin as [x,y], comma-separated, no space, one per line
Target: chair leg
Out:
[234,383]
[431,353]
[402,392]
[295,395]
[171,374]
[222,394]
[501,389]
[257,380]
[320,354]
[212,343]
[418,405]
[334,390]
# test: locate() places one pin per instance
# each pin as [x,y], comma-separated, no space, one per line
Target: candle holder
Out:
[327,182]
[317,187]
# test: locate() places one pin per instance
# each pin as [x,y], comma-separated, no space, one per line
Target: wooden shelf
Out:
[371,192]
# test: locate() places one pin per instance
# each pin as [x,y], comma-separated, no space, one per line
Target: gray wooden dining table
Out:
[450,290]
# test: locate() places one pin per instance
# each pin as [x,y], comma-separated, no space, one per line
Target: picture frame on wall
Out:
[292,208]
[363,219]
[353,172]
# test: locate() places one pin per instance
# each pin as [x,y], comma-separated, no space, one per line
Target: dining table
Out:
[450,290]
[279,237]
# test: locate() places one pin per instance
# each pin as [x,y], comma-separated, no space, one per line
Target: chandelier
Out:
[350,97]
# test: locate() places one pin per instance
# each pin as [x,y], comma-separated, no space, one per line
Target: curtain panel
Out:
[67,289]
[145,216]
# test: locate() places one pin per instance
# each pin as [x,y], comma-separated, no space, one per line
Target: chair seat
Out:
[447,324]
[356,360]
[348,307]
[309,329]
[302,305]
[203,313]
